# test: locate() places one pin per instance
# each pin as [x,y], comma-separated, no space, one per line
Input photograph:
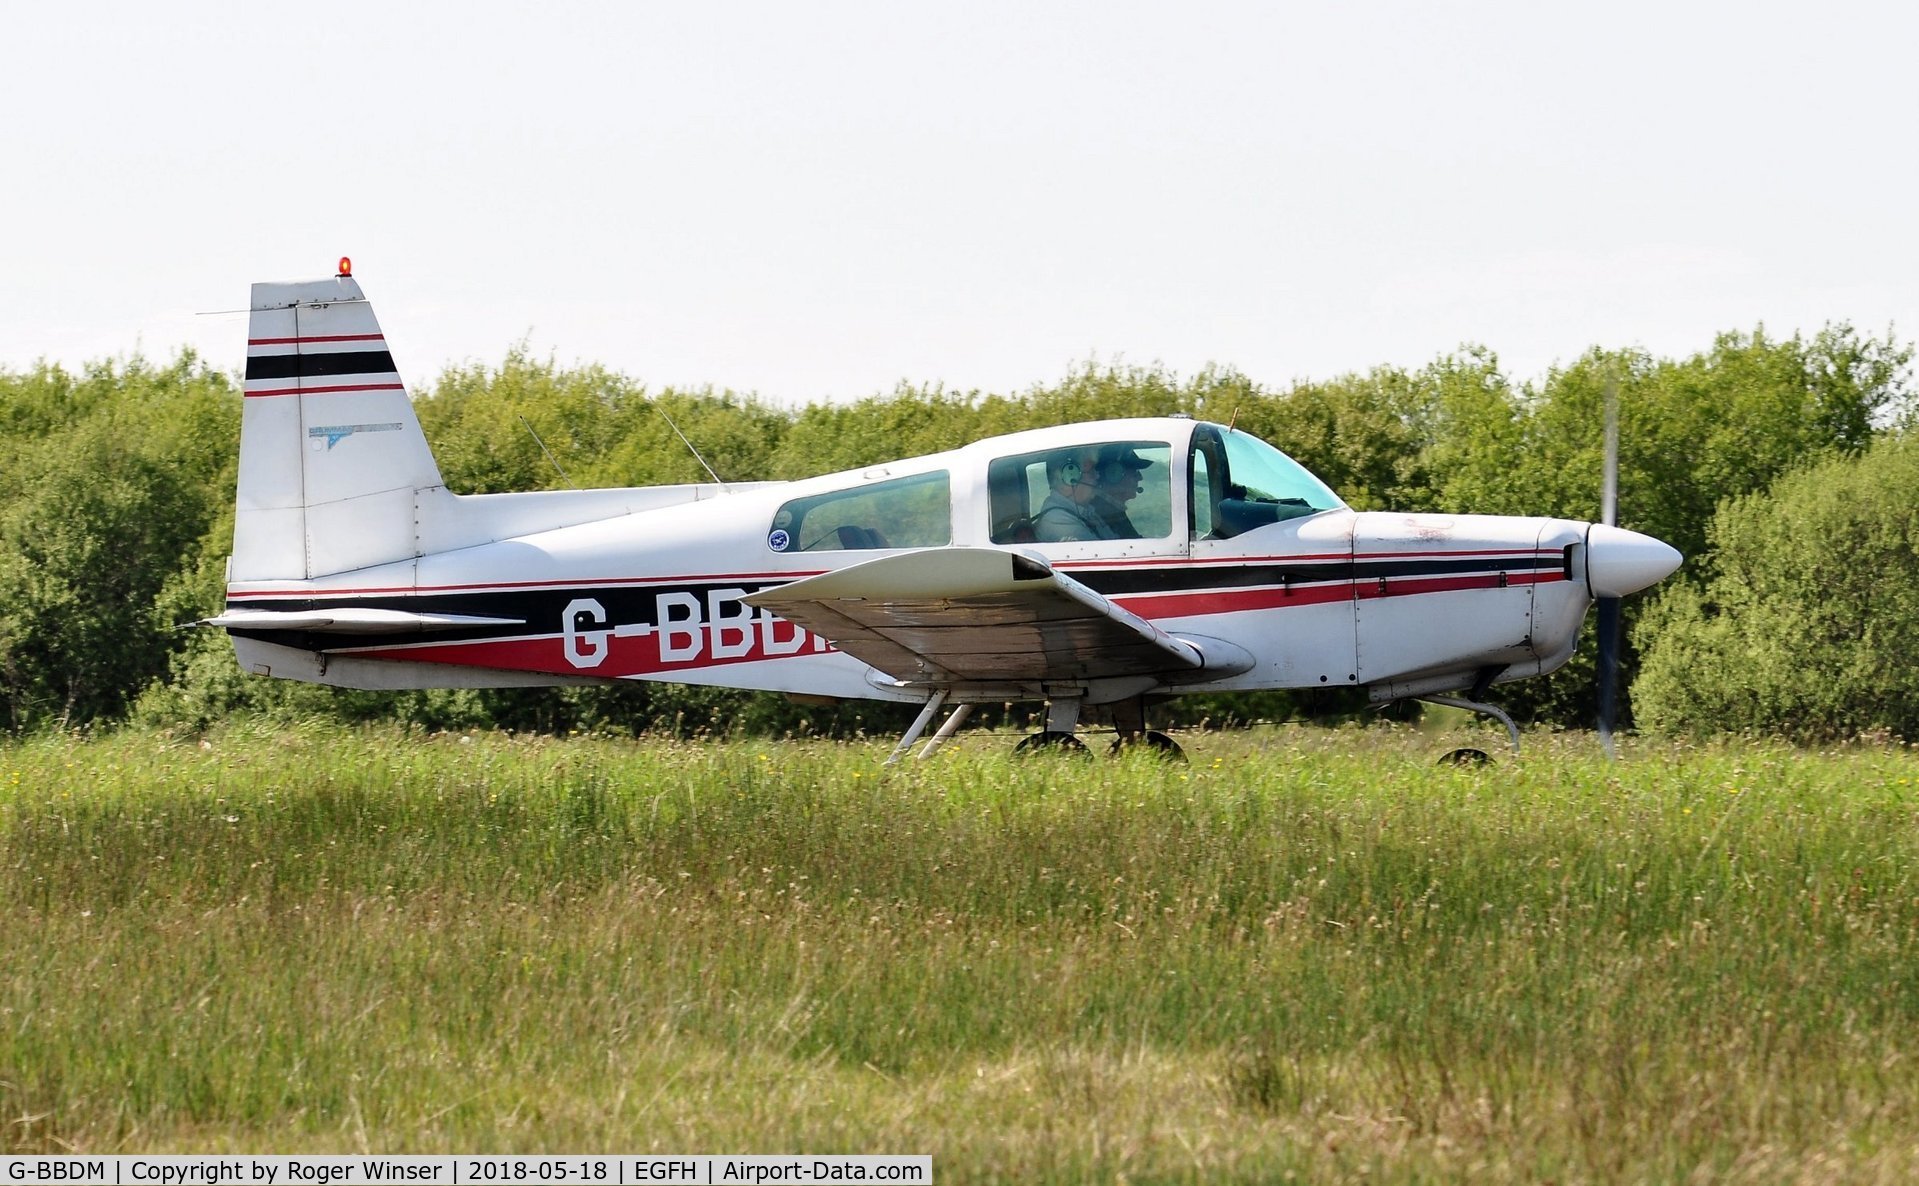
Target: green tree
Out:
[738,436]
[116,484]
[519,425]
[910,422]
[1693,432]
[112,481]
[1808,625]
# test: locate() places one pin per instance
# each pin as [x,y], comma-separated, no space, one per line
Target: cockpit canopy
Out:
[1115,481]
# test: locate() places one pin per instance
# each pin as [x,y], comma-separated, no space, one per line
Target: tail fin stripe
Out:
[316,338]
[286,366]
[326,390]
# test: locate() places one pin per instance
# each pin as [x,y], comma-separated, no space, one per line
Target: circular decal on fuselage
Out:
[778,541]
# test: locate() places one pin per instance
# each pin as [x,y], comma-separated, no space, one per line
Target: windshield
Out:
[1240,482]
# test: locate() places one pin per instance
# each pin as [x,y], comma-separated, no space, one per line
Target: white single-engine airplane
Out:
[1091,566]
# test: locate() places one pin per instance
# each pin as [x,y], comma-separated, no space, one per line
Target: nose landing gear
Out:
[1476,757]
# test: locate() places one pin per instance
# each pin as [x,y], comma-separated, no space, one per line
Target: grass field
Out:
[1307,954]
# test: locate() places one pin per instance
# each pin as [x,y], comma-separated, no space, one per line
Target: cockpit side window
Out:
[911,512]
[1096,491]
[1240,482]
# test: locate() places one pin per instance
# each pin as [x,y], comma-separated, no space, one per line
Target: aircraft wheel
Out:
[1467,758]
[1152,741]
[1050,742]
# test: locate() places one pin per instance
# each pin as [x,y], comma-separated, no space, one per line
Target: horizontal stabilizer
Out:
[348,620]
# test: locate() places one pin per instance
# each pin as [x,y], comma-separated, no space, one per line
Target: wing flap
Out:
[953,616]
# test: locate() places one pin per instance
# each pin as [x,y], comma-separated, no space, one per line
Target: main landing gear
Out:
[946,730]
[1129,720]
[1059,737]
[1052,741]
[1049,741]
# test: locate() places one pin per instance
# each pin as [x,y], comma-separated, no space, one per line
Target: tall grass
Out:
[1304,953]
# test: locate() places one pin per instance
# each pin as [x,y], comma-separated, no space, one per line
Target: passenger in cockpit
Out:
[1117,482]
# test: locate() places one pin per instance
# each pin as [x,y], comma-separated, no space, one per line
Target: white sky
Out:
[818,200]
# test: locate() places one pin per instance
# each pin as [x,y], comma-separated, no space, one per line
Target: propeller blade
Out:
[1609,484]
[1608,629]
[1608,620]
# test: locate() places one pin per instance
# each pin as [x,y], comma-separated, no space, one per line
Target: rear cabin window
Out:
[1125,485]
[913,512]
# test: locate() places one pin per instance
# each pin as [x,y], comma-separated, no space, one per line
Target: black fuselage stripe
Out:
[301,366]
[1119,582]
[541,610]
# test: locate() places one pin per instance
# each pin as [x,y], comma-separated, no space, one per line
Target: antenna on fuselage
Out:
[564,476]
[717,480]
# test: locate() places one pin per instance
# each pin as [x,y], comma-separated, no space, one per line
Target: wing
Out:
[950,616]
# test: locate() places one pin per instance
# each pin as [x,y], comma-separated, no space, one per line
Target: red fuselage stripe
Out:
[1198,561]
[1227,601]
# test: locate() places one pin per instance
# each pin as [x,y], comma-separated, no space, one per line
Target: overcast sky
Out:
[815,201]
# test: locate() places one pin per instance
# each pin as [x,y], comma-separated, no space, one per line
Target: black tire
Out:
[1050,742]
[1152,741]
[1467,758]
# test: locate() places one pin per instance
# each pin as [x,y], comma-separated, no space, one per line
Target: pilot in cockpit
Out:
[1067,514]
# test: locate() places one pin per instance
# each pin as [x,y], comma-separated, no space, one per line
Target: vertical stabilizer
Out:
[333,464]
